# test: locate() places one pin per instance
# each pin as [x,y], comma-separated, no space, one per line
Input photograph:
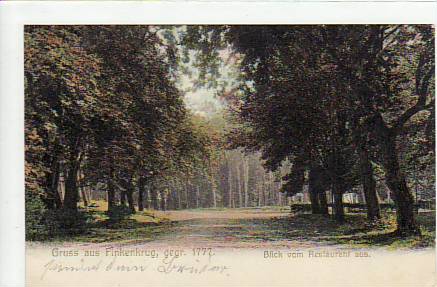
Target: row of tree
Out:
[335,101]
[104,119]
[102,108]
[239,181]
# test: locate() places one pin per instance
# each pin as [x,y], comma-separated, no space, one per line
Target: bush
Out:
[118,213]
[42,223]
[34,215]
[66,222]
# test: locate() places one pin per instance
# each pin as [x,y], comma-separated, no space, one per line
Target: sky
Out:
[204,101]
[201,101]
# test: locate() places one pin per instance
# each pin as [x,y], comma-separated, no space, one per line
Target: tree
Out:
[389,72]
[61,91]
[361,78]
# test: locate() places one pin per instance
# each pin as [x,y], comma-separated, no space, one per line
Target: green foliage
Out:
[34,215]
[64,222]
[43,224]
[118,213]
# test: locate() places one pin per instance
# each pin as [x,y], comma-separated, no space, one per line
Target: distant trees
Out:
[219,177]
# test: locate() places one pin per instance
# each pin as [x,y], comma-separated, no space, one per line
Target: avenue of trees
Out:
[320,110]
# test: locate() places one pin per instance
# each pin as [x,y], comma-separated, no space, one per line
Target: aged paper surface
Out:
[241,267]
[162,150]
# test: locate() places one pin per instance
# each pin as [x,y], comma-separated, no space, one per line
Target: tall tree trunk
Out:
[338,207]
[71,196]
[53,199]
[395,179]
[187,201]
[81,186]
[397,184]
[54,182]
[279,184]
[61,185]
[154,197]
[171,199]
[314,199]
[369,185]
[170,196]
[146,195]
[141,189]
[269,189]
[229,183]
[263,189]
[111,189]
[88,193]
[197,196]
[323,202]
[123,197]
[179,199]
[84,198]
[71,188]
[246,181]
[366,171]
[214,192]
[130,199]
[162,199]
[321,182]
[240,196]
[313,190]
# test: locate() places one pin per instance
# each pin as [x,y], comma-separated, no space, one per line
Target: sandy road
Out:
[235,228]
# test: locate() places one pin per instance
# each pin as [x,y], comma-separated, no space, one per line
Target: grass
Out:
[304,229]
[143,226]
[140,227]
[356,231]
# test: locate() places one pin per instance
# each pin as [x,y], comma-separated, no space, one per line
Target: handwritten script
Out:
[168,265]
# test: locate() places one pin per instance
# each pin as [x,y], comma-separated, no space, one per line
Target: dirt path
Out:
[235,228]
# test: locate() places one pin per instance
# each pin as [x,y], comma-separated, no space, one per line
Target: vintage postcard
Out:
[227,153]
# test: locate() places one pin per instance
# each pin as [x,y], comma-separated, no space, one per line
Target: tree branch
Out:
[422,86]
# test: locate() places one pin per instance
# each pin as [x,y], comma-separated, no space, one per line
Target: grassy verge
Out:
[140,227]
[356,231]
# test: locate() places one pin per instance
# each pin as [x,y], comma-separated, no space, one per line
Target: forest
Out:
[326,120]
